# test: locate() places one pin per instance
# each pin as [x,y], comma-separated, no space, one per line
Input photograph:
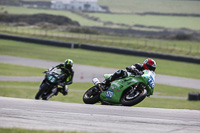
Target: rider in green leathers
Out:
[136,69]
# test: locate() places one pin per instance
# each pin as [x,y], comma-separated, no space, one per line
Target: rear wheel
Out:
[43,88]
[130,98]
[91,96]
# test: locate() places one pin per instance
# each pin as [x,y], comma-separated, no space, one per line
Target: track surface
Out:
[48,115]
[84,73]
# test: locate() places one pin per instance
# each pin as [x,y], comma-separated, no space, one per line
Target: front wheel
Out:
[91,96]
[129,99]
[43,88]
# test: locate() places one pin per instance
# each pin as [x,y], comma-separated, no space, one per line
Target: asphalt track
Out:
[85,73]
[49,115]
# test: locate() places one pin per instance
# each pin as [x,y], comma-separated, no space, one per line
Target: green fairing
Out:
[117,87]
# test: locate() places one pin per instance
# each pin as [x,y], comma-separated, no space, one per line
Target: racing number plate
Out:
[151,82]
[109,94]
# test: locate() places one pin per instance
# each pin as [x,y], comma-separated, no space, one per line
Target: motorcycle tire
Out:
[43,88]
[90,96]
[134,101]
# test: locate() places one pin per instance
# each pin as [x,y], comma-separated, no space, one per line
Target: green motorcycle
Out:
[128,91]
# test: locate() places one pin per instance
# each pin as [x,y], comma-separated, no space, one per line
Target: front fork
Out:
[97,83]
[134,89]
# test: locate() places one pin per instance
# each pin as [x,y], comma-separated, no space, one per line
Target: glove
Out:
[61,84]
[69,82]
[137,72]
[61,76]
[46,71]
[130,68]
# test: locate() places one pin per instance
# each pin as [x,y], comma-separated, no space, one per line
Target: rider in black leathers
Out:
[66,76]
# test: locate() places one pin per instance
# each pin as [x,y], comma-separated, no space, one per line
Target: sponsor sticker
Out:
[109,94]
[151,82]
[118,90]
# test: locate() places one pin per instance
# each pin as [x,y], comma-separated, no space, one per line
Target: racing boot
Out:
[106,84]
[64,90]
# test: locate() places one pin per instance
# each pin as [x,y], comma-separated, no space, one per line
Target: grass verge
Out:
[18,70]
[186,48]
[76,90]
[102,59]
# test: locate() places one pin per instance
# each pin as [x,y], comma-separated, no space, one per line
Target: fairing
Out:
[117,87]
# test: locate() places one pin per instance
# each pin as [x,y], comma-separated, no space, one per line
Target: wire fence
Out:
[174,47]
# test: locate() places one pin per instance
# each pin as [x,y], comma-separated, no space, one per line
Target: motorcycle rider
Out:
[136,69]
[66,76]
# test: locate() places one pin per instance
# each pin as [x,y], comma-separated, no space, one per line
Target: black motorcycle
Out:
[49,85]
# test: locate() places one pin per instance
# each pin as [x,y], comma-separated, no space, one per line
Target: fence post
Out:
[160,45]
[16,29]
[145,43]
[45,32]
[190,49]
[72,46]
[174,46]
[1,27]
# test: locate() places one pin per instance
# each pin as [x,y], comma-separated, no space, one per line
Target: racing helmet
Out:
[68,63]
[149,64]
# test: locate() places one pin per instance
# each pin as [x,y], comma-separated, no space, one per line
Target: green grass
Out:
[130,19]
[28,90]
[18,70]
[160,90]
[166,6]
[102,59]
[28,11]
[166,90]
[187,48]
[151,20]
[169,103]
[140,6]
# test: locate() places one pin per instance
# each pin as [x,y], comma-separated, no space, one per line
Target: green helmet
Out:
[68,63]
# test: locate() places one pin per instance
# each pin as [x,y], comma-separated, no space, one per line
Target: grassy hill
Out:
[140,6]
[124,26]
[163,6]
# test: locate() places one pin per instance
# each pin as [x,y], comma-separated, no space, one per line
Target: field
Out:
[73,16]
[140,6]
[123,15]
[151,20]
[187,48]
[162,6]
[164,96]
[129,19]
[165,22]
[102,59]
